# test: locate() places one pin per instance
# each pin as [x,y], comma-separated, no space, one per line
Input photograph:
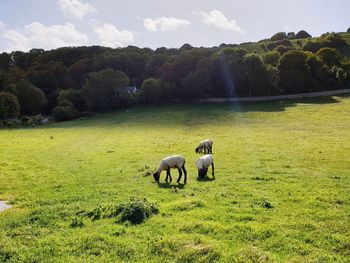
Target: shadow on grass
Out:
[344,96]
[166,185]
[206,179]
[186,112]
[320,100]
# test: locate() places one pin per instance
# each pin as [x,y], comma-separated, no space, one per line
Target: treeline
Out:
[70,81]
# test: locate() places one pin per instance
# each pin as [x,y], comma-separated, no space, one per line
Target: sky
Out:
[49,24]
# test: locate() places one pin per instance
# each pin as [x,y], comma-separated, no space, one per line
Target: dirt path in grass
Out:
[4,206]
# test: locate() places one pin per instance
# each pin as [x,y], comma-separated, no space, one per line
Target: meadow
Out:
[281,192]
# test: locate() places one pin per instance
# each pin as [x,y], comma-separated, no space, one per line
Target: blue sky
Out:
[50,24]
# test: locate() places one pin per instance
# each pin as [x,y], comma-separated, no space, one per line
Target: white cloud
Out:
[218,19]
[110,36]
[17,41]
[36,35]
[76,8]
[2,25]
[164,24]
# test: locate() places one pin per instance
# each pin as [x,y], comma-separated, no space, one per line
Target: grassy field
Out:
[281,192]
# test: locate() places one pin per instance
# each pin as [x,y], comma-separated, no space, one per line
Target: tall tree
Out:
[101,88]
[31,98]
[293,72]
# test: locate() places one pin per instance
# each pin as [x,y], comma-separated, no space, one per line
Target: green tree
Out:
[9,106]
[101,89]
[170,91]
[64,111]
[227,72]
[31,98]
[47,82]
[195,85]
[313,45]
[329,56]
[302,34]
[76,97]
[279,36]
[151,91]
[293,72]
[273,80]
[271,58]
[256,75]
[291,35]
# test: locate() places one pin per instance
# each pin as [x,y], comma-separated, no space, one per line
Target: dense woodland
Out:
[72,81]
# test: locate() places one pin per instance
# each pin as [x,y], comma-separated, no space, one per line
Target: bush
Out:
[275,44]
[332,40]
[279,36]
[64,111]
[329,56]
[9,106]
[313,46]
[76,97]
[25,120]
[348,30]
[271,58]
[283,49]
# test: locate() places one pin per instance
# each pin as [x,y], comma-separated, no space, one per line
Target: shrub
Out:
[283,49]
[272,58]
[279,36]
[76,97]
[332,40]
[25,120]
[64,111]
[275,44]
[313,46]
[9,106]
[329,56]
[348,30]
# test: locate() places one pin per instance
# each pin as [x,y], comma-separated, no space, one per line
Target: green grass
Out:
[281,192]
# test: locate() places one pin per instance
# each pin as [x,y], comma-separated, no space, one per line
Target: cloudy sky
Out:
[48,24]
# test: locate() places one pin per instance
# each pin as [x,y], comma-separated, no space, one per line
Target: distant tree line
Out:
[69,81]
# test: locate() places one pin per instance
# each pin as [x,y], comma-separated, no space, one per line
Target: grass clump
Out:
[145,170]
[76,222]
[135,210]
